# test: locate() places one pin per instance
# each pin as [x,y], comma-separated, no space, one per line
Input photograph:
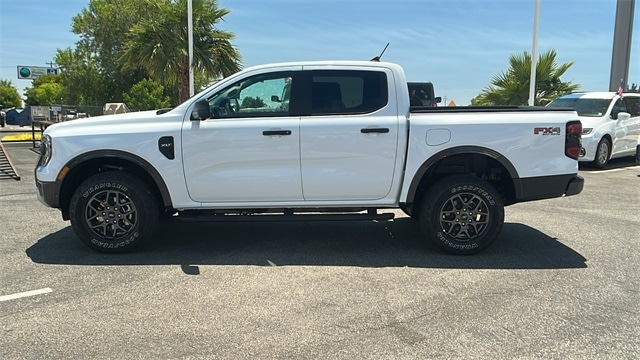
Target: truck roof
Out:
[366,63]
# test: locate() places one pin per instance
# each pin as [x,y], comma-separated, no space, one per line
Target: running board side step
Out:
[185,216]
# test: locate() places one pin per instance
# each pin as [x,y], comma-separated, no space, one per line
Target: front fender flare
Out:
[119,154]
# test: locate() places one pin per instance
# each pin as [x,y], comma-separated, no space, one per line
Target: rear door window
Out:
[347,92]
[633,105]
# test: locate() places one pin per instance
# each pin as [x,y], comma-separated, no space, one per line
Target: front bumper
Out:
[589,148]
[48,193]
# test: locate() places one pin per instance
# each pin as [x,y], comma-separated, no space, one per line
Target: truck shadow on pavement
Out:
[397,243]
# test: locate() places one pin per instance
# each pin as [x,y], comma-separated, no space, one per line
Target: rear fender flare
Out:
[433,160]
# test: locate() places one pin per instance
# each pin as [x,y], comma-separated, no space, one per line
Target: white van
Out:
[610,124]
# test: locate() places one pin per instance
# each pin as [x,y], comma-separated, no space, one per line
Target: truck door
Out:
[249,150]
[349,136]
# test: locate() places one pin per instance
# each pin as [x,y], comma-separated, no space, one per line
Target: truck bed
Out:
[463,109]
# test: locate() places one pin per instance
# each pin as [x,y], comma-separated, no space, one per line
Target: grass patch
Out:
[20,137]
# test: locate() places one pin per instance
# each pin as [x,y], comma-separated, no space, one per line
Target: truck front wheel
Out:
[462,214]
[113,212]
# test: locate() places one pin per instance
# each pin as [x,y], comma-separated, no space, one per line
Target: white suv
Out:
[610,124]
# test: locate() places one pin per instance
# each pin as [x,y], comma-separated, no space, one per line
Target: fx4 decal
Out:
[547,131]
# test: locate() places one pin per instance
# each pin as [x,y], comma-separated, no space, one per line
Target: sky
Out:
[459,45]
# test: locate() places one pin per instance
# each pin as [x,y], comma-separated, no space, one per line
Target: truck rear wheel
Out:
[113,212]
[462,214]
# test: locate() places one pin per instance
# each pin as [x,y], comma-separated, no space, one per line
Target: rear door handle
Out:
[374,130]
[276,132]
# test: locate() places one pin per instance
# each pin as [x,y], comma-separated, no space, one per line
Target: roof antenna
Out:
[377,58]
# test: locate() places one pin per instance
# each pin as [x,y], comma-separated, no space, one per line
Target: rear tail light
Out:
[573,139]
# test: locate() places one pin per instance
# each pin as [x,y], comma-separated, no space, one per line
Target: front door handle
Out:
[276,132]
[374,130]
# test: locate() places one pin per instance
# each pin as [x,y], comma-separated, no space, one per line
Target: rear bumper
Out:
[547,187]
[575,186]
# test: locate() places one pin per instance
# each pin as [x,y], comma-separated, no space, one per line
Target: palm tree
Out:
[512,86]
[159,44]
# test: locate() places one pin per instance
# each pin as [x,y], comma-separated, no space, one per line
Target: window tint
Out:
[347,92]
[256,96]
[421,94]
[618,107]
[584,107]
[633,105]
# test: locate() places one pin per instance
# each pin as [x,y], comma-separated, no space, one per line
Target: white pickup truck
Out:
[309,140]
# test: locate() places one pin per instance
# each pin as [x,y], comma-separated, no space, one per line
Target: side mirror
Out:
[201,110]
[275,98]
[624,116]
[438,99]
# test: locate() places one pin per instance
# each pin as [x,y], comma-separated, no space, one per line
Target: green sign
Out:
[32,72]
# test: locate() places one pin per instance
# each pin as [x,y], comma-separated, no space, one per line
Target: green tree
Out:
[81,77]
[45,90]
[146,95]
[103,26]
[252,102]
[512,87]
[92,71]
[9,95]
[159,44]
[49,93]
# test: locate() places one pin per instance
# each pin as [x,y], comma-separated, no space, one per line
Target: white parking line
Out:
[25,294]
[615,170]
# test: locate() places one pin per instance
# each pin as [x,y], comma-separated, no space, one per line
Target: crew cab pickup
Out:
[308,140]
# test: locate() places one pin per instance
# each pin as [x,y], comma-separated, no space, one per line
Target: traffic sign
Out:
[32,72]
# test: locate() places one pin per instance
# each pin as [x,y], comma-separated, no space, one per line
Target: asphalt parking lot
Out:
[561,282]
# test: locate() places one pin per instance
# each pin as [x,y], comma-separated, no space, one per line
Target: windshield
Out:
[584,107]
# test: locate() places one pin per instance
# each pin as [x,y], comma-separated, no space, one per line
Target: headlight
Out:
[45,150]
[587,131]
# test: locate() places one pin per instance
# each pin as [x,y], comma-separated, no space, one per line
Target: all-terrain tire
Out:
[113,212]
[462,214]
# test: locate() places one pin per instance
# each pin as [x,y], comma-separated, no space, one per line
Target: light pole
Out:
[534,54]
[621,54]
[190,32]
